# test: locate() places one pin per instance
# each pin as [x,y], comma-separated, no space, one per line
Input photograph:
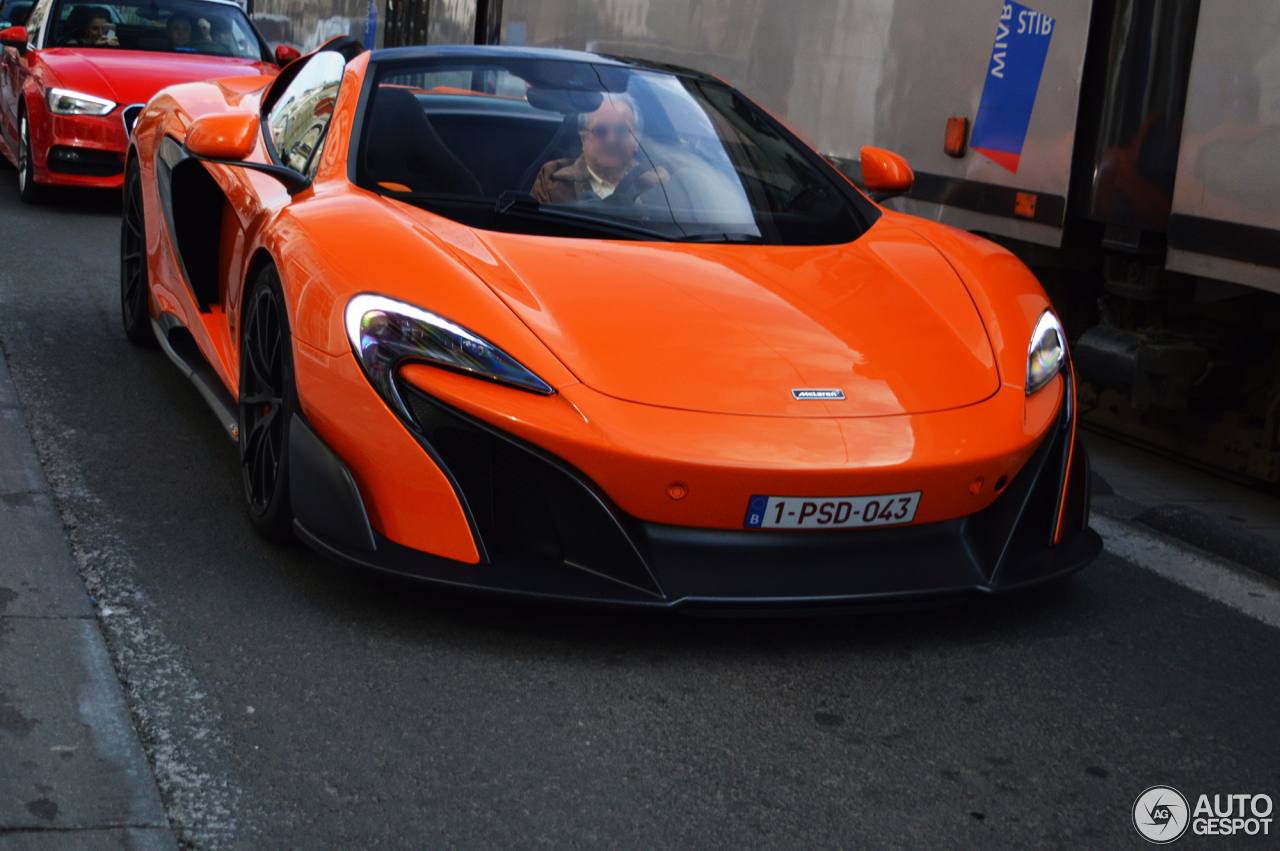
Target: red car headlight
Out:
[67,102]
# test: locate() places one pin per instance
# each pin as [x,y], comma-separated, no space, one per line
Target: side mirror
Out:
[286,54]
[227,138]
[15,37]
[885,173]
[224,136]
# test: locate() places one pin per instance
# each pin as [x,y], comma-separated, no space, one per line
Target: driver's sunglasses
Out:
[618,131]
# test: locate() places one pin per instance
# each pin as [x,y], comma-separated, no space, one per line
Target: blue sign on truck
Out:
[1013,77]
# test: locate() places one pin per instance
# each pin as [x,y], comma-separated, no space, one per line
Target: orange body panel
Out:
[410,501]
[732,329]
[672,363]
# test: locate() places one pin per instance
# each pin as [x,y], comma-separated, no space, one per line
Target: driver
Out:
[179,30]
[91,26]
[610,139]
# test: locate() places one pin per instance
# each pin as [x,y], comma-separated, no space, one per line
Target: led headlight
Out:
[67,102]
[1048,352]
[385,333]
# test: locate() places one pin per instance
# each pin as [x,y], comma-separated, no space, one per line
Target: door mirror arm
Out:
[880,197]
[292,180]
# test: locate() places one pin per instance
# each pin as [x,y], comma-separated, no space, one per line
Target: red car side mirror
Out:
[885,173]
[15,37]
[286,54]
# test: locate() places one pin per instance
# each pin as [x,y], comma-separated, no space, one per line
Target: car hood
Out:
[133,76]
[735,329]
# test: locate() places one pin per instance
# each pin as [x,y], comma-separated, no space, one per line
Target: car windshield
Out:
[169,26]
[553,146]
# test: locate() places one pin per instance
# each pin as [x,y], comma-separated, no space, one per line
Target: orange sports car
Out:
[587,328]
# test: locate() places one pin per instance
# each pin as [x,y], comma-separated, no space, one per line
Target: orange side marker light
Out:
[957,136]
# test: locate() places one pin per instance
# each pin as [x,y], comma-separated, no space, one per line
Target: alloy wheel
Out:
[24,152]
[262,400]
[134,296]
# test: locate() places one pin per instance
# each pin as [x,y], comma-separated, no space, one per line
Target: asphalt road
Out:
[286,702]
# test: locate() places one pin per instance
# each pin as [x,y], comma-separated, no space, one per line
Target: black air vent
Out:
[88,162]
[527,505]
[130,116]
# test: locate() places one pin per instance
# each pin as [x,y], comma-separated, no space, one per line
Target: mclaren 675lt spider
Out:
[586,328]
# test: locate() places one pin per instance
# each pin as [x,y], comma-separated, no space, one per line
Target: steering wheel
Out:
[631,186]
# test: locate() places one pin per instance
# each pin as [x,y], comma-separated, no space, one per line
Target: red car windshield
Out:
[168,26]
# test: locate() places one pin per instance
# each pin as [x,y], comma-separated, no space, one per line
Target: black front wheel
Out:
[135,296]
[268,399]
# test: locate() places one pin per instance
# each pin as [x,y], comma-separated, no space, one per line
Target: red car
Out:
[75,76]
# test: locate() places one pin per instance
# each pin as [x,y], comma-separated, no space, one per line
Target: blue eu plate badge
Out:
[830,512]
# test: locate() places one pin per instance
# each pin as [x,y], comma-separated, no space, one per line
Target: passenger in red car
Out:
[91,27]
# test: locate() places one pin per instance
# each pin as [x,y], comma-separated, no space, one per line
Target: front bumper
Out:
[81,150]
[544,530]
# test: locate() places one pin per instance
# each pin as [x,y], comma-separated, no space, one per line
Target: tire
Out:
[268,400]
[28,190]
[135,290]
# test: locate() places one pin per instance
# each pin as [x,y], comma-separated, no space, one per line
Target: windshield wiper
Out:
[742,238]
[521,202]
[512,203]
[524,205]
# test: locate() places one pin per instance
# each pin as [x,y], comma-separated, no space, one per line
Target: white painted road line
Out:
[1254,595]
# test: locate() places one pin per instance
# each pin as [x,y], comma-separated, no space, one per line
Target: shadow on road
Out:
[419,613]
[104,202]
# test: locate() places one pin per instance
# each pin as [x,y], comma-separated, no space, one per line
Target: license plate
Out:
[830,512]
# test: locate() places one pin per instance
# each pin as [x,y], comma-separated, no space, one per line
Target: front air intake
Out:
[525,504]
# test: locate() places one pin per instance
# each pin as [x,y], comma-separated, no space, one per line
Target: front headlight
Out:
[384,333]
[67,102]
[1048,352]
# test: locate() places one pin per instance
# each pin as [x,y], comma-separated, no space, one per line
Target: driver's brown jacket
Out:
[565,181]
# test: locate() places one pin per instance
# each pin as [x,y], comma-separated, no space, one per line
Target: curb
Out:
[1241,546]
[73,773]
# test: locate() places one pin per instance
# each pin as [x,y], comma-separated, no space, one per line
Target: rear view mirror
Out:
[15,37]
[225,136]
[885,173]
[286,54]
[564,101]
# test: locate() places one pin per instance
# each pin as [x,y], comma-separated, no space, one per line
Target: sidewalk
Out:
[72,772]
[1236,522]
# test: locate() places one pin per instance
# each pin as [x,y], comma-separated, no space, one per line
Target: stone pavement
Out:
[72,772]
